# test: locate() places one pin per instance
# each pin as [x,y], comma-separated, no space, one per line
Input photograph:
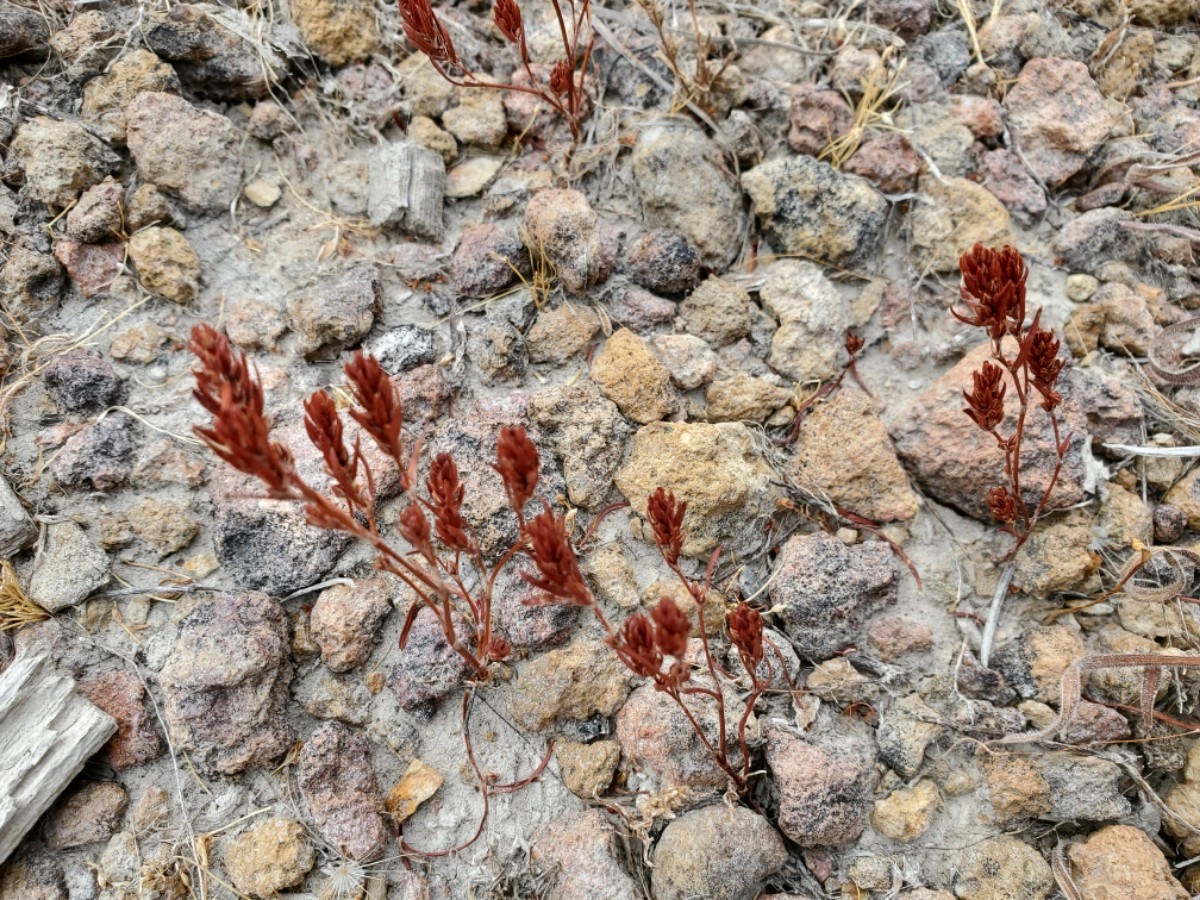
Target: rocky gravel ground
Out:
[663,303]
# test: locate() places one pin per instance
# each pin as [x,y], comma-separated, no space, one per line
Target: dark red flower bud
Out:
[426,32]
[636,647]
[414,528]
[561,77]
[1002,505]
[993,287]
[558,567]
[507,16]
[746,632]
[671,627]
[666,520]
[517,462]
[985,402]
[445,501]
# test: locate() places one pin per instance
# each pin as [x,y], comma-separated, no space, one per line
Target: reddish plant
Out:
[1026,359]
[444,555]
[440,556]
[647,640]
[993,290]
[562,89]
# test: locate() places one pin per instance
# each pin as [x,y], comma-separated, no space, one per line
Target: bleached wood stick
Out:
[47,733]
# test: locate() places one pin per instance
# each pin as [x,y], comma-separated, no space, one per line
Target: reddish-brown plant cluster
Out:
[562,89]
[1024,358]
[435,569]
[648,640]
[443,546]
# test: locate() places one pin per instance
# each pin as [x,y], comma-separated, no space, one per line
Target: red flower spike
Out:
[324,427]
[414,528]
[239,433]
[558,567]
[517,462]
[507,16]
[985,402]
[993,287]
[379,412]
[671,627]
[666,520]
[445,501]
[636,646]
[426,32]
[746,633]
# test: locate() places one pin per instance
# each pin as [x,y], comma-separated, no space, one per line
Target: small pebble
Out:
[262,193]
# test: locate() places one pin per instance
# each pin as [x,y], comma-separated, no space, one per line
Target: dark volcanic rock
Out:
[826,591]
[83,380]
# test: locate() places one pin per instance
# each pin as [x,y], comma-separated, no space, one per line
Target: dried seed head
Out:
[666,520]
[993,287]
[985,402]
[239,433]
[636,646]
[507,16]
[746,632]
[558,567]
[671,627]
[1002,505]
[517,462]
[561,77]
[324,427]
[445,501]
[379,411]
[426,32]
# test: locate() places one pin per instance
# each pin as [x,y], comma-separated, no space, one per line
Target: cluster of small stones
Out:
[657,310]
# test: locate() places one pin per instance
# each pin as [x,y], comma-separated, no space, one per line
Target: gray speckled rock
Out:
[338,782]
[826,784]
[562,225]
[71,567]
[683,186]
[809,343]
[58,160]
[718,852]
[336,309]
[225,684]
[17,530]
[812,209]
[189,153]
[826,591]
[577,851]
[429,668]
[1058,116]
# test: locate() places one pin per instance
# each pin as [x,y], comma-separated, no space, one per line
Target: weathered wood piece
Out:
[405,185]
[47,733]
